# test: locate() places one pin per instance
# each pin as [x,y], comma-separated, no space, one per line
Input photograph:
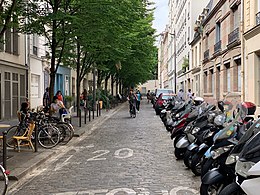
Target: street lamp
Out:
[175,76]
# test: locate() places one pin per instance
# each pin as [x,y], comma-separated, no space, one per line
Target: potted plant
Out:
[68,101]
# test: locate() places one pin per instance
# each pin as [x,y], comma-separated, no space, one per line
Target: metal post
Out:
[89,115]
[93,110]
[79,117]
[4,149]
[85,116]
[97,110]
[35,139]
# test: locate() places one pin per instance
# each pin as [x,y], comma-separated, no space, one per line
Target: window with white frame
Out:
[35,86]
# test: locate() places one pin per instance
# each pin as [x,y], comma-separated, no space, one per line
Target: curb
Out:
[19,172]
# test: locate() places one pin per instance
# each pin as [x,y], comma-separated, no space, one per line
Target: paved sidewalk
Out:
[24,162]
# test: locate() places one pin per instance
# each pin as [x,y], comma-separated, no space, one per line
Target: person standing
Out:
[138,101]
[59,95]
[189,94]
[180,94]
[85,98]
[46,100]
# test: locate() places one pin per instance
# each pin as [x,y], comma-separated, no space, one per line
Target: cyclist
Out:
[132,101]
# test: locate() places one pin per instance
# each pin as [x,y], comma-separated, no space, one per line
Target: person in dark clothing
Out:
[46,100]
[132,100]
[138,101]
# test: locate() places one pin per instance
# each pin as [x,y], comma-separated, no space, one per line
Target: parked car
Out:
[161,100]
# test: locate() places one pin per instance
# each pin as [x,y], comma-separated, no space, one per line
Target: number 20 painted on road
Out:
[127,153]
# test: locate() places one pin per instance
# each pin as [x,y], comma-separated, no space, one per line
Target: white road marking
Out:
[175,190]
[59,166]
[95,158]
[127,190]
[128,155]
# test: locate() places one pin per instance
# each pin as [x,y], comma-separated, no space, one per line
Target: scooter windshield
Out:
[229,130]
[251,150]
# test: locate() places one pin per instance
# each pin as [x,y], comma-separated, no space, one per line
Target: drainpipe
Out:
[242,52]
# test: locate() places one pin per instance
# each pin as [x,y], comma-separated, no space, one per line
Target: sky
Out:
[161,15]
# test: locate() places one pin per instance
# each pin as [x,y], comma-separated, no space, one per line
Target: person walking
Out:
[148,96]
[138,100]
[46,100]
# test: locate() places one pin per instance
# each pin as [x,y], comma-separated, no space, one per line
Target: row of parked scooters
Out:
[219,143]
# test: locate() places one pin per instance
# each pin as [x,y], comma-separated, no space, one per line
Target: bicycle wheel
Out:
[65,132]
[48,136]
[3,181]
[12,131]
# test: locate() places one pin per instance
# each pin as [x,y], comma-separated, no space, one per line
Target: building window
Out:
[212,81]
[218,32]
[205,82]
[239,77]
[228,78]
[35,86]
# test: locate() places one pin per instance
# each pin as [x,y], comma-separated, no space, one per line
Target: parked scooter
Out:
[247,169]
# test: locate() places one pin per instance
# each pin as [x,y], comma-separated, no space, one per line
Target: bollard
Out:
[79,117]
[97,110]
[93,111]
[4,149]
[85,116]
[35,139]
[89,115]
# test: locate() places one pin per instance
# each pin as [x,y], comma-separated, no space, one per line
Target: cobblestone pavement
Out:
[122,156]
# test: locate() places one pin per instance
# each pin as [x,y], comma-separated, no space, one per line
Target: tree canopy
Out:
[115,37]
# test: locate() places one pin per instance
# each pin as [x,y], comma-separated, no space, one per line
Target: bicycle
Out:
[48,135]
[132,110]
[3,180]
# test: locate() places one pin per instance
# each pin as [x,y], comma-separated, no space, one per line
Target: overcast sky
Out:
[161,15]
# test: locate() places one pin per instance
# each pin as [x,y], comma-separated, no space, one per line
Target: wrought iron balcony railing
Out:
[258,18]
[217,47]
[233,36]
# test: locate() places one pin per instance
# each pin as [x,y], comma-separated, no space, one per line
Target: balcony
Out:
[217,47]
[258,18]
[233,36]
[206,55]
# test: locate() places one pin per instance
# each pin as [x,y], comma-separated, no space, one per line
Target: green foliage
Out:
[185,63]
[69,98]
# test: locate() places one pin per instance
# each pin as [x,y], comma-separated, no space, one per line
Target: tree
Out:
[7,10]
[52,19]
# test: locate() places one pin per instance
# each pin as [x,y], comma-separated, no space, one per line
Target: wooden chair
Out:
[25,139]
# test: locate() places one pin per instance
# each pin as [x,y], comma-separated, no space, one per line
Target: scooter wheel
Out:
[179,152]
[187,158]
[232,188]
[196,163]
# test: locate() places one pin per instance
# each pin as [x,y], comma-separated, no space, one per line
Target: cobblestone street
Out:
[121,156]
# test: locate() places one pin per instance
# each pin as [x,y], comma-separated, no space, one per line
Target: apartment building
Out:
[13,73]
[251,49]
[163,60]
[221,45]
[183,14]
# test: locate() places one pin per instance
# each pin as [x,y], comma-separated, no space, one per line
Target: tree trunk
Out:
[106,82]
[99,79]
[117,80]
[78,81]
[112,85]
[120,86]
[94,89]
